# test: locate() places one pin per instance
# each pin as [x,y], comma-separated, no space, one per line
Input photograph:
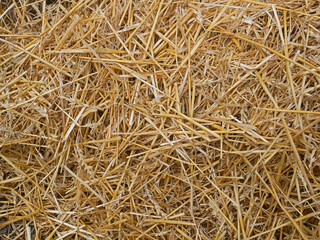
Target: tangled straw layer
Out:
[159,119]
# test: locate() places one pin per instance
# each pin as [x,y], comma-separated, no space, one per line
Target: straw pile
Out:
[161,119]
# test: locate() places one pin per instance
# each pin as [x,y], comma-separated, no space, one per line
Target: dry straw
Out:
[137,119]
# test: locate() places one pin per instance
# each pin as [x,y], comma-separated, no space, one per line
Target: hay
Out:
[159,119]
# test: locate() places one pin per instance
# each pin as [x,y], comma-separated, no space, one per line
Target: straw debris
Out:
[160,119]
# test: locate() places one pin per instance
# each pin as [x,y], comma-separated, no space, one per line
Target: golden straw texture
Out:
[159,119]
